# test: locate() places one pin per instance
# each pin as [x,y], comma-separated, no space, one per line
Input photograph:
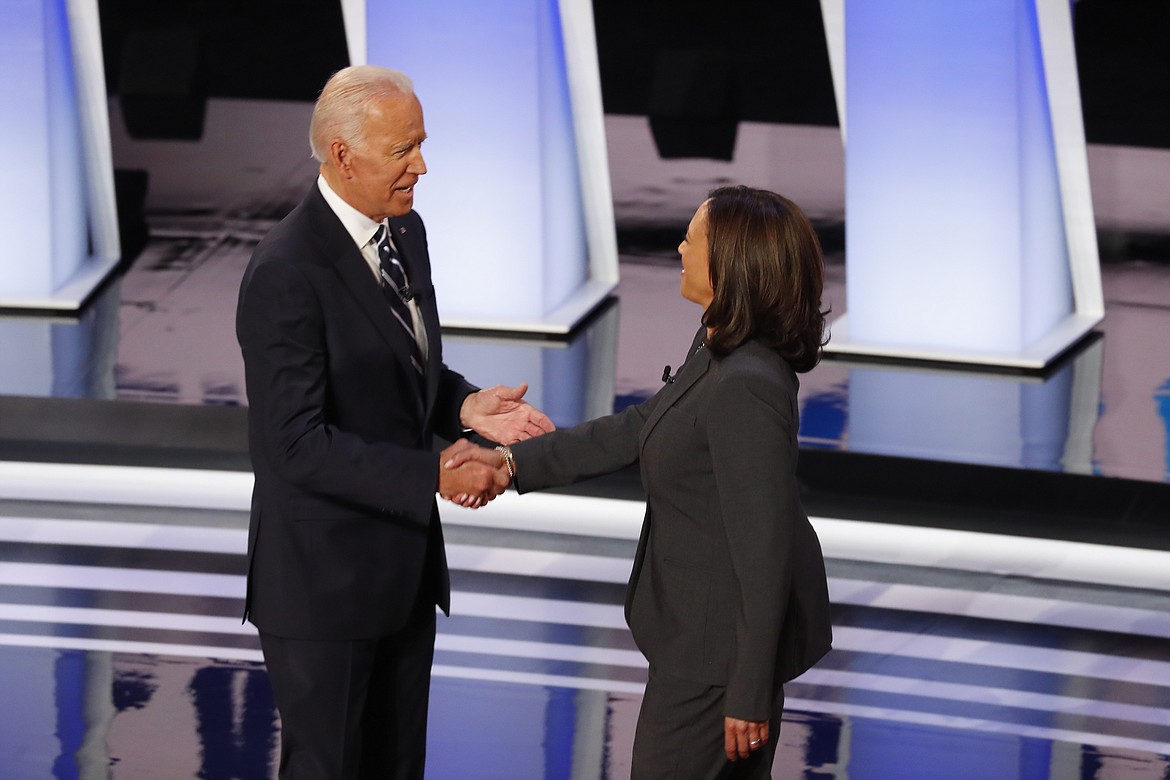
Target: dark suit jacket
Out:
[343,512]
[728,586]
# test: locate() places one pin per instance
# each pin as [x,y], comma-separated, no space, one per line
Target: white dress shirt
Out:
[362,230]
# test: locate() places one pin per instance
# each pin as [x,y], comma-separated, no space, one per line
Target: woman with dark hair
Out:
[765,275]
[728,598]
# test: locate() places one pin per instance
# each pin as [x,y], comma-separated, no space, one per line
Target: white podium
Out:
[969,224]
[517,200]
[57,210]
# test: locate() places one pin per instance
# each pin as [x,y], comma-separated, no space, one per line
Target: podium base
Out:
[1034,358]
[71,296]
[559,322]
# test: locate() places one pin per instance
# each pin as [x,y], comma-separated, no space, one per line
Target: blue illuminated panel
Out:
[42,207]
[502,199]
[955,235]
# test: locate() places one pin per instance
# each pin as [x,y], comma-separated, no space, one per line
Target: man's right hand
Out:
[474,478]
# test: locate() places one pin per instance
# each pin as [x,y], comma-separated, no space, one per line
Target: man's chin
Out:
[401,203]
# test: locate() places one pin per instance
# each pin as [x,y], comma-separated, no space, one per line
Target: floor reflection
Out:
[122,654]
[1034,422]
[87,715]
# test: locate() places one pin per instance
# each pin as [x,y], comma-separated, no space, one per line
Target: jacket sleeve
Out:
[588,450]
[280,327]
[753,455]
[453,391]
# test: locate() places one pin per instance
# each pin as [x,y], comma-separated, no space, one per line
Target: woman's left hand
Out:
[741,737]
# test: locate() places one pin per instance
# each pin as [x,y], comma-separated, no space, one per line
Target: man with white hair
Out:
[346,386]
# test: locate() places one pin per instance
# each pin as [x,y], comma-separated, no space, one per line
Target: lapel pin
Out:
[402,231]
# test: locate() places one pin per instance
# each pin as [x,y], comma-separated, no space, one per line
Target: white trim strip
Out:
[543,680]
[233,541]
[976,694]
[85,35]
[1054,21]
[123,646]
[131,485]
[138,536]
[539,563]
[1002,655]
[1000,606]
[1008,556]
[606,518]
[845,710]
[537,610]
[170,621]
[545,651]
[51,575]
[619,519]
[90,616]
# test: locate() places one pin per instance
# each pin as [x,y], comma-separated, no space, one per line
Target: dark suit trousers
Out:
[680,734]
[354,710]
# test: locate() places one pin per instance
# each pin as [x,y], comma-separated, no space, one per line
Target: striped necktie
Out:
[397,292]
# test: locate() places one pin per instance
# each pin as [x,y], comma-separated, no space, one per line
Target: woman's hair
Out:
[767,272]
[345,102]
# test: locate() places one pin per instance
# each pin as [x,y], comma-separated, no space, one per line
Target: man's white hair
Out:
[345,102]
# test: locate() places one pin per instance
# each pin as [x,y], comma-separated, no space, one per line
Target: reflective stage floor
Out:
[957,654]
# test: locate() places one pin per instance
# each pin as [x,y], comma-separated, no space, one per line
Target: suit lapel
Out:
[692,370]
[355,274]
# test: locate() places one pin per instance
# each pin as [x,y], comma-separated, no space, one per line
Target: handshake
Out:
[470,475]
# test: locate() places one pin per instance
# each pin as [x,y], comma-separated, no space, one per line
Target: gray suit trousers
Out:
[680,734]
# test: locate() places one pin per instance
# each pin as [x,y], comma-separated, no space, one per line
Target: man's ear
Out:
[340,156]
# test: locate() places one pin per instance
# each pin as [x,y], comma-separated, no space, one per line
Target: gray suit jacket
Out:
[728,586]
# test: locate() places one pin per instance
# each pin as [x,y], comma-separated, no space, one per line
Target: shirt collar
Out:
[360,227]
